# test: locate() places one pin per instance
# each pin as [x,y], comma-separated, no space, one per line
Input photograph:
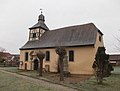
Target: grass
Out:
[33,74]
[12,83]
[111,83]
[11,69]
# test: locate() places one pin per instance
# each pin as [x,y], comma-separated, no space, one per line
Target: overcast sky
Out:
[16,16]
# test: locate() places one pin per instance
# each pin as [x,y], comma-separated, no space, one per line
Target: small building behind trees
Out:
[8,59]
[114,59]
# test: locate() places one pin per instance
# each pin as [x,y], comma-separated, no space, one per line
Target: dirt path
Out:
[55,87]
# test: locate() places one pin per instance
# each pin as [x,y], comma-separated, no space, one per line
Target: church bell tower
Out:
[38,29]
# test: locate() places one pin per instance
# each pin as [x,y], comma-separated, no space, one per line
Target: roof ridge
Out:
[73,26]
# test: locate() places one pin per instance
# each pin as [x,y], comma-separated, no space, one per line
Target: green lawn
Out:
[11,69]
[33,74]
[12,83]
[111,83]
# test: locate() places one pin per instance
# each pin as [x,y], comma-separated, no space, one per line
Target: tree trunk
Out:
[58,65]
[41,56]
[41,67]
[61,69]
[61,52]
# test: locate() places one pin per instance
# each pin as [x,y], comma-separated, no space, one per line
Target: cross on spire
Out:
[41,10]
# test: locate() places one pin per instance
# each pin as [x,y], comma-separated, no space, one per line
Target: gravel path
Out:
[55,87]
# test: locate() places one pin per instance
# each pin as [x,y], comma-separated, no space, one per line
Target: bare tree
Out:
[41,56]
[2,49]
[61,52]
[1,54]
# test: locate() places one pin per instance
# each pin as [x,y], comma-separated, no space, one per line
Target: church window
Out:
[47,55]
[26,56]
[71,55]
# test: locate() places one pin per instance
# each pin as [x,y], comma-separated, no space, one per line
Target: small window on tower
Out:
[34,35]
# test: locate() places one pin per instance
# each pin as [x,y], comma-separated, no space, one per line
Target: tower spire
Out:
[41,17]
[41,22]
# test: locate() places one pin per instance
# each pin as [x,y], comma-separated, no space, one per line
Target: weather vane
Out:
[41,10]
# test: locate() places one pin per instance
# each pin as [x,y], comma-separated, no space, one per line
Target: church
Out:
[80,41]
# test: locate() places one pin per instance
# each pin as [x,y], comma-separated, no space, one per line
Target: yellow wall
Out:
[83,58]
